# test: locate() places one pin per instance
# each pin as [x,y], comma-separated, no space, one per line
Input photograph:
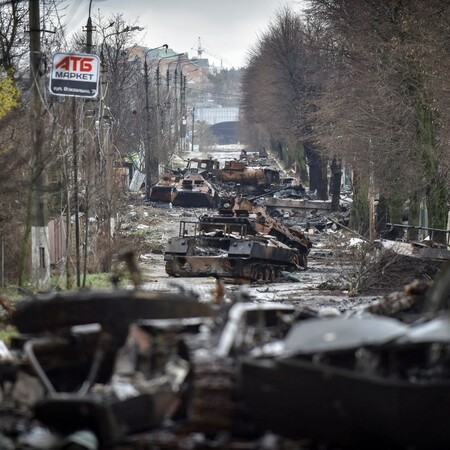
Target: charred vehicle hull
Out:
[164,190]
[160,193]
[230,247]
[242,173]
[365,382]
[194,191]
[188,187]
[77,352]
[250,260]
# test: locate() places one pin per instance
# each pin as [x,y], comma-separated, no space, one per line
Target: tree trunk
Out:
[436,194]
[317,173]
[360,211]
[335,183]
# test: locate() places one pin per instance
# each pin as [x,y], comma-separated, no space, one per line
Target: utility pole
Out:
[177,133]
[193,121]
[148,175]
[90,156]
[155,160]
[148,118]
[182,109]
[40,253]
[89,29]
[76,191]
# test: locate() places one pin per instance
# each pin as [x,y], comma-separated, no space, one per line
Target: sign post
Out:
[75,75]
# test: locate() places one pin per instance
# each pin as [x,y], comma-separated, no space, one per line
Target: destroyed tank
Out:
[241,172]
[164,190]
[237,243]
[188,187]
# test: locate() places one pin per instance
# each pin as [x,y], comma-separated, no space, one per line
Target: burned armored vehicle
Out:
[360,380]
[90,365]
[240,242]
[128,368]
[164,190]
[193,190]
[243,173]
[188,187]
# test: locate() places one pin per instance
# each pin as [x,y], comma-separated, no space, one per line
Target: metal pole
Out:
[148,182]
[148,137]
[182,112]
[158,102]
[90,159]
[40,254]
[158,120]
[89,31]
[177,134]
[193,120]
[75,189]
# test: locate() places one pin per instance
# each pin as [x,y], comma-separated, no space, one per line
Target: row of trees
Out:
[85,144]
[361,84]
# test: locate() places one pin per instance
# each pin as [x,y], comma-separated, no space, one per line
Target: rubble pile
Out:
[127,368]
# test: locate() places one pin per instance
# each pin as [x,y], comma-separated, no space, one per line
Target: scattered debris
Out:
[418,250]
[325,367]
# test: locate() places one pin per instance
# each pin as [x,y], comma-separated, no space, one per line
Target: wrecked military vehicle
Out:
[90,368]
[188,187]
[193,190]
[133,369]
[240,242]
[243,173]
[164,189]
[112,368]
[358,381]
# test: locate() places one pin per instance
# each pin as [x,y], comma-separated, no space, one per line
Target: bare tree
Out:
[277,87]
[379,109]
[13,39]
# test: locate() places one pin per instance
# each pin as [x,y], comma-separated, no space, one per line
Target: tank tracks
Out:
[212,400]
[251,272]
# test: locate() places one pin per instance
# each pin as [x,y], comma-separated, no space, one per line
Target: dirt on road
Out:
[327,281]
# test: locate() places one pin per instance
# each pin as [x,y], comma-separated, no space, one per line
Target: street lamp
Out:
[157,74]
[147,129]
[166,57]
[127,29]
[104,175]
[158,109]
[157,71]
[183,103]
[179,116]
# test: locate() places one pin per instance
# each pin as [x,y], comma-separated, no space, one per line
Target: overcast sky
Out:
[227,28]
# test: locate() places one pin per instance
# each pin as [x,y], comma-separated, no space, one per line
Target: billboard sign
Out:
[75,75]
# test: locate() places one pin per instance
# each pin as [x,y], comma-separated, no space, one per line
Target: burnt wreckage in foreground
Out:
[242,242]
[134,369]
